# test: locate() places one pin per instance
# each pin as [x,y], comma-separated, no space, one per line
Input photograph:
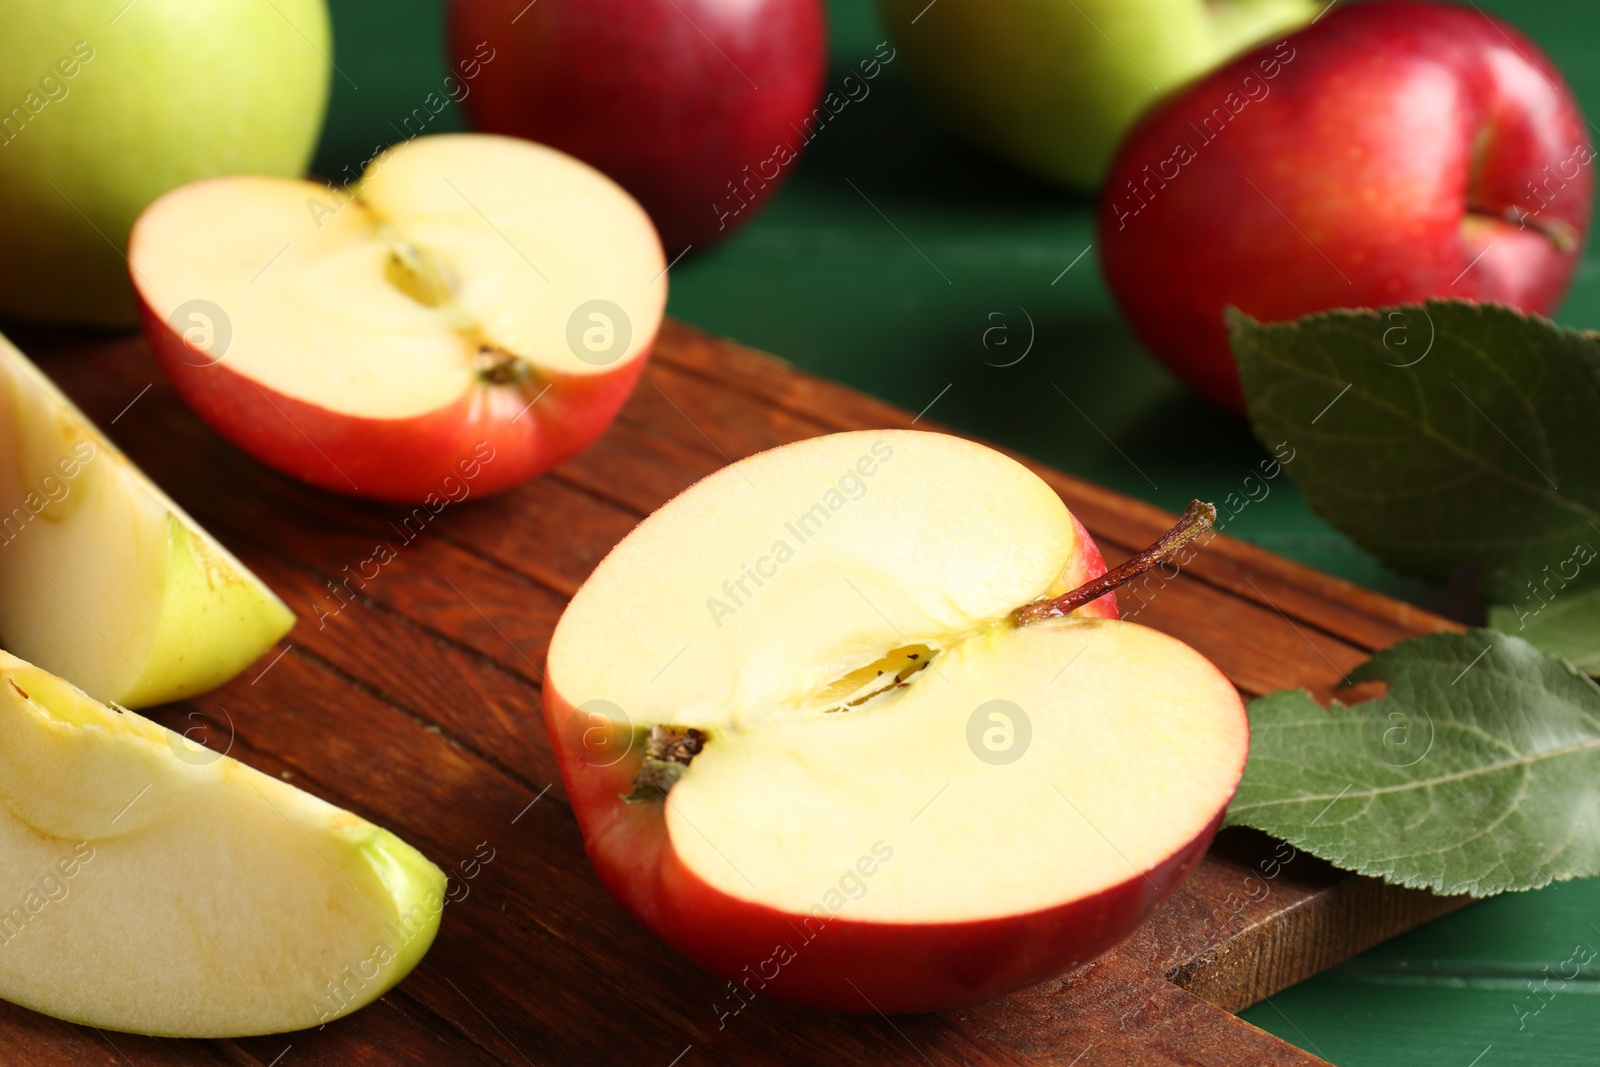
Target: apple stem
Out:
[1561,235]
[1196,520]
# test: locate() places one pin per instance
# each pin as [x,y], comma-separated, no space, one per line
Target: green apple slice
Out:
[103,579]
[153,886]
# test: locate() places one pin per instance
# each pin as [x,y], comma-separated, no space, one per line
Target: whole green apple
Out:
[107,104]
[1052,85]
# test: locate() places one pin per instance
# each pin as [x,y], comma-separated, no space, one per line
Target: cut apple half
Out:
[473,303]
[152,885]
[812,742]
[103,579]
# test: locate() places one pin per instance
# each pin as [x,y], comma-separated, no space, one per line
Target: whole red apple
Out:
[840,741]
[696,107]
[1391,152]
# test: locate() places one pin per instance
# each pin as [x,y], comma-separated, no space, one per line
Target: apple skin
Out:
[1365,141]
[174,92]
[1051,86]
[651,93]
[128,566]
[895,967]
[404,460]
[1090,565]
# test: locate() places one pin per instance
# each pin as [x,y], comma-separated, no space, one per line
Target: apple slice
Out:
[843,724]
[152,885]
[103,579]
[397,338]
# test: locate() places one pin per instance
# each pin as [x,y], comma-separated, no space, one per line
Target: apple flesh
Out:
[856,780]
[475,309]
[152,885]
[105,105]
[1392,152]
[684,102]
[1051,86]
[103,579]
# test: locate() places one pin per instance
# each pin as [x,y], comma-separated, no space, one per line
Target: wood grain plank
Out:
[1259,646]
[388,1033]
[1358,614]
[537,890]
[1337,607]
[1115,1013]
[28,1038]
[412,697]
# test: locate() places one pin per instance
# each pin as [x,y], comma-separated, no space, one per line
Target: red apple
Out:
[812,743]
[1391,152]
[697,107]
[471,312]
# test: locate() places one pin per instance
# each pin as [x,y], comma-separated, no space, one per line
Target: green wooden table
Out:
[882,263]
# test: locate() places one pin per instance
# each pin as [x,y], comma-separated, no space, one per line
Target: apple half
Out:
[103,579]
[812,742]
[474,307]
[151,885]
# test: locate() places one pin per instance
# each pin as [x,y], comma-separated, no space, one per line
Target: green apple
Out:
[107,104]
[152,885]
[103,579]
[1052,85]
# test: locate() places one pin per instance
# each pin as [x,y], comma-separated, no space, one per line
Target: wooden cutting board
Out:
[413,699]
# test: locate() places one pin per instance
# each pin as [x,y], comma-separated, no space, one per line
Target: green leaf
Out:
[1438,435]
[1569,626]
[1477,772]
